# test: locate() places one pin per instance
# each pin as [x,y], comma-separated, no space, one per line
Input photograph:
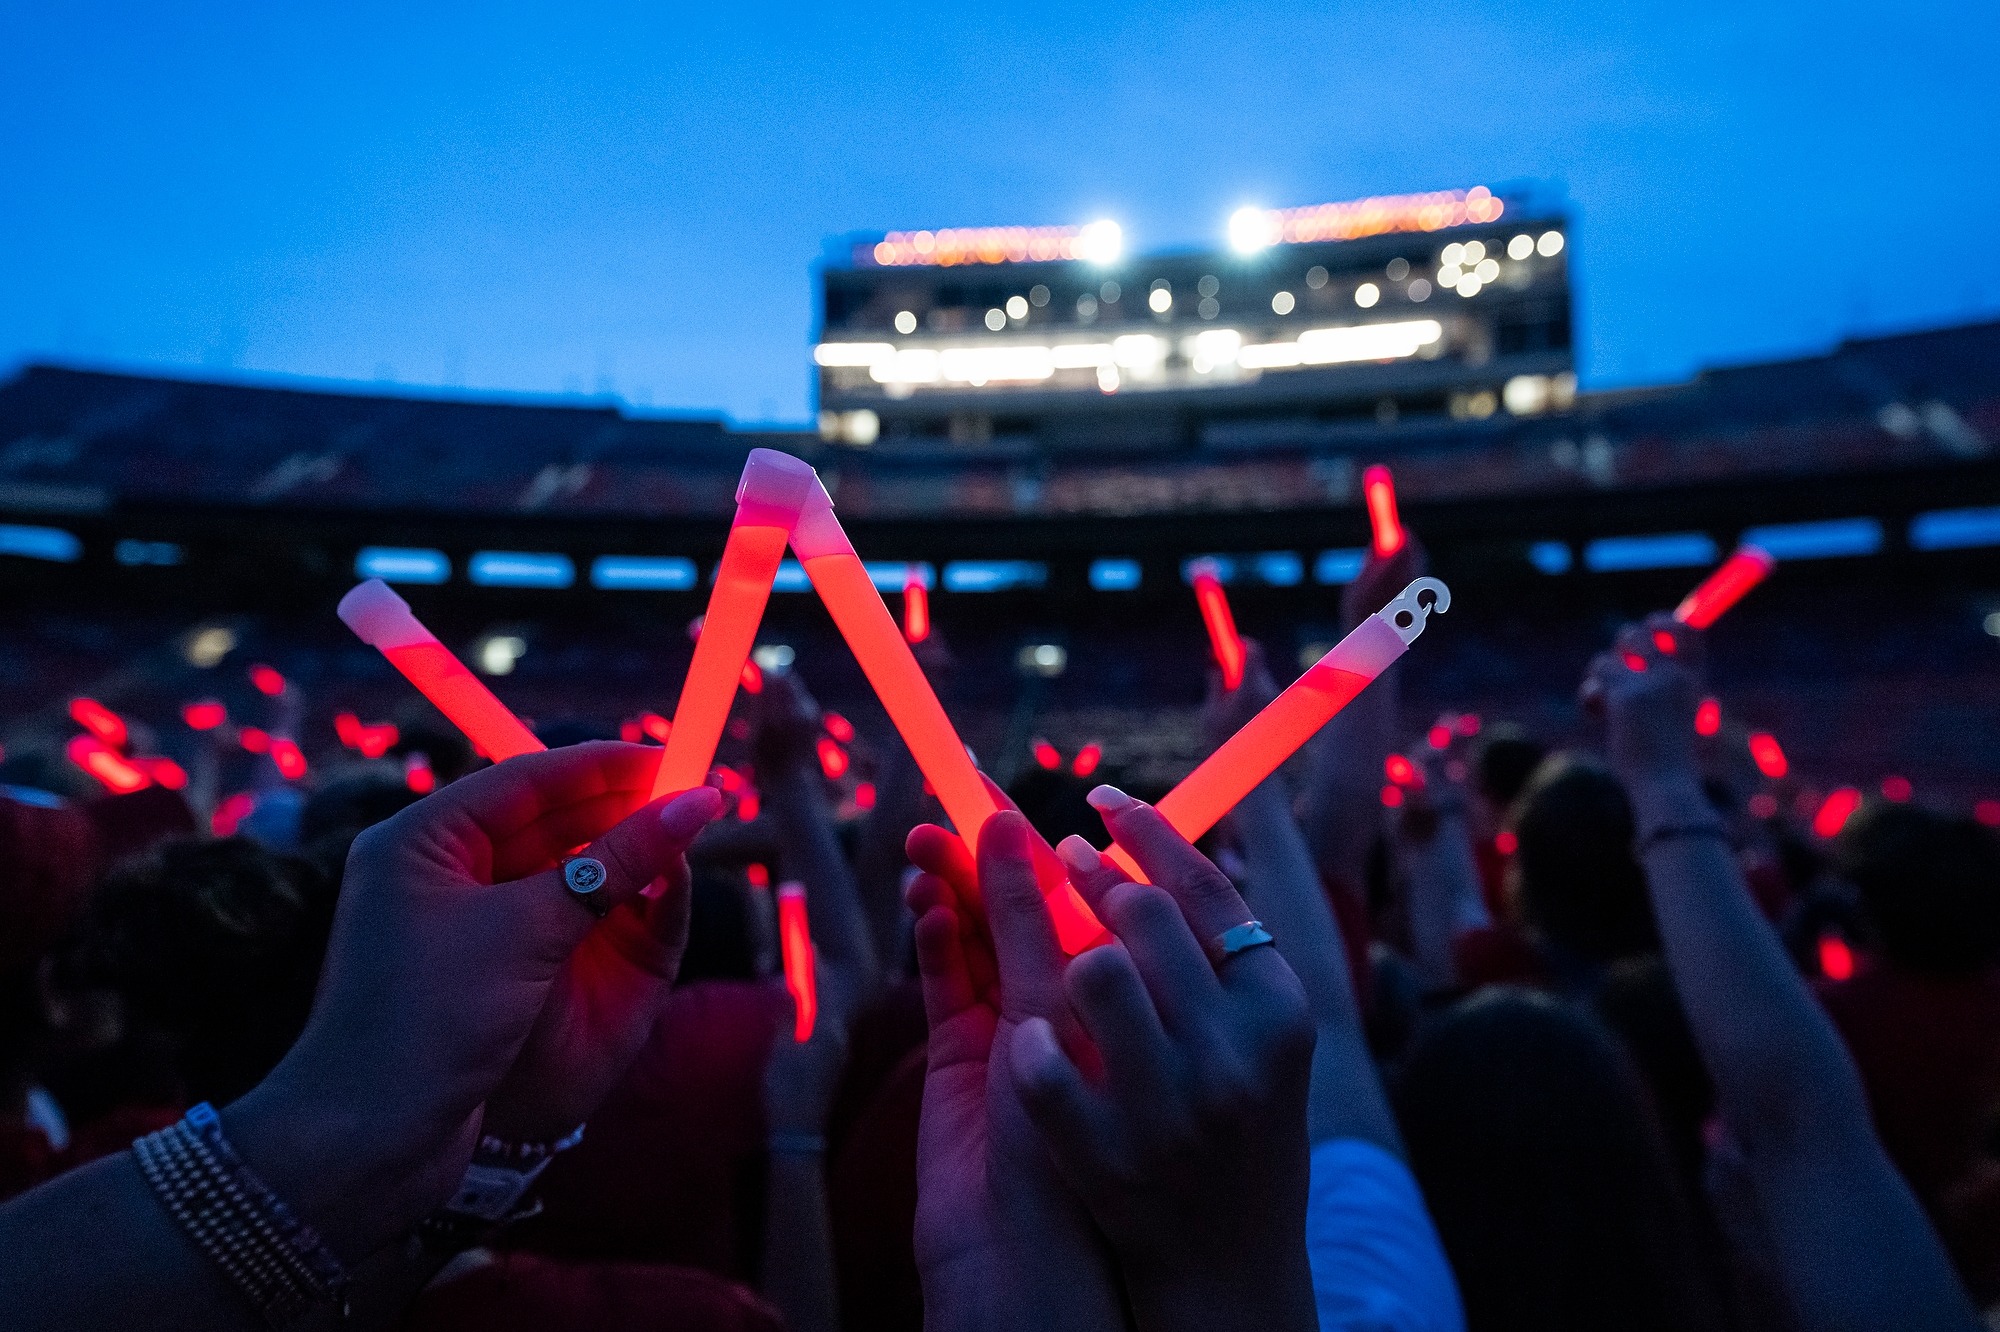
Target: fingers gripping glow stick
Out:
[1380,489]
[1291,719]
[768,498]
[1222,635]
[795,941]
[383,620]
[864,621]
[1749,566]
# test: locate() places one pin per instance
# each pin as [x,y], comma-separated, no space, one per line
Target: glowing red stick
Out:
[231,812]
[1708,717]
[1380,490]
[1087,759]
[291,763]
[1836,959]
[1837,809]
[1399,770]
[768,499]
[832,758]
[864,795]
[205,715]
[119,776]
[1292,718]
[253,740]
[383,620]
[267,680]
[753,678]
[838,727]
[99,720]
[1725,587]
[417,774]
[863,619]
[1222,636]
[166,772]
[347,727]
[916,606]
[1766,753]
[796,942]
[1046,755]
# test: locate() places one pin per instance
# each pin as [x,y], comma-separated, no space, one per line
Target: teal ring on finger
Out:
[584,877]
[1238,939]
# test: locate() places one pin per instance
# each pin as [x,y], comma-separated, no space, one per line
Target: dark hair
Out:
[1541,1160]
[1507,758]
[216,945]
[1581,888]
[1930,884]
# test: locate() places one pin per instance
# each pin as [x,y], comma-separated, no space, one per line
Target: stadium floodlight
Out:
[1100,242]
[1251,229]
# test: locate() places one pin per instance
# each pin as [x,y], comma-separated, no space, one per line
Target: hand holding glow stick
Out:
[1292,718]
[383,620]
[795,941]
[1749,566]
[1379,488]
[768,498]
[872,635]
[1222,635]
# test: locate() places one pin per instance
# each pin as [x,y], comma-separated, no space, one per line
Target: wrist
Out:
[1204,1296]
[1667,796]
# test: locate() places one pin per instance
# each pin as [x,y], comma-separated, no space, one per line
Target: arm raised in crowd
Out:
[1284,891]
[461,963]
[1434,846]
[1855,1249]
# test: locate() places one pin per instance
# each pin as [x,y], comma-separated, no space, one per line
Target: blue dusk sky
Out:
[626,201]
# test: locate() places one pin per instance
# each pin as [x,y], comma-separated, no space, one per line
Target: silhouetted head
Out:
[1542,1163]
[1580,887]
[1930,883]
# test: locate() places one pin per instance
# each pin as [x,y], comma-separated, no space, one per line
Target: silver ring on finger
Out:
[1238,939]
[584,878]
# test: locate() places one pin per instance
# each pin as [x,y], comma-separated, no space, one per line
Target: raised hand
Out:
[1185,1132]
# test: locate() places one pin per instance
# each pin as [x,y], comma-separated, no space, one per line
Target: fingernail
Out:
[703,799]
[1110,800]
[1079,855]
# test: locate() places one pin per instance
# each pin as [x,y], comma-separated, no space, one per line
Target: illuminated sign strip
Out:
[1099,242]
[1379,216]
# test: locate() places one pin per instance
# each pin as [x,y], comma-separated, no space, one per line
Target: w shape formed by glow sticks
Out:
[1729,584]
[1222,636]
[1291,719]
[383,620]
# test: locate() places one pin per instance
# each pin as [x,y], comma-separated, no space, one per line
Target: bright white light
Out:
[1100,242]
[1991,624]
[913,365]
[1283,302]
[985,365]
[1331,346]
[1520,247]
[1138,351]
[1252,229]
[498,654]
[1086,307]
[773,657]
[996,319]
[1316,277]
[1488,270]
[1469,285]
[1080,355]
[1449,275]
[863,427]
[1017,307]
[1550,244]
[1366,295]
[1218,346]
[207,647]
[1526,395]
[1160,300]
[1453,255]
[1107,378]
[1420,290]
[855,353]
[1047,659]
[1038,295]
[1474,252]
[905,322]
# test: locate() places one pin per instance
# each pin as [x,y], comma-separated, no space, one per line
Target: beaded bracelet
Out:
[277,1261]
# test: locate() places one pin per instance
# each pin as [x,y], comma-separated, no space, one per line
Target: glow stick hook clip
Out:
[1409,612]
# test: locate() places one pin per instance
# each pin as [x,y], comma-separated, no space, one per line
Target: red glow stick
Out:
[1379,488]
[1837,809]
[99,720]
[1046,755]
[1708,717]
[864,795]
[205,715]
[753,678]
[916,606]
[118,775]
[165,772]
[1766,753]
[417,774]
[1222,635]
[285,753]
[1749,566]
[267,680]
[768,499]
[383,620]
[1836,959]
[253,740]
[863,619]
[1399,770]
[832,758]
[1293,717]
[796,942]
[1087,759]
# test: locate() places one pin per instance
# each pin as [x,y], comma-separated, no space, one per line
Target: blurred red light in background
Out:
[291,763]
[655,727]
[267,680]
[1664,641]
[1399,770]
[1834,813]
[205,715]
[1635,662]
[1468,725]
[1392,796]
[1987,812]
[1767,755]
[832,758]
[1763,805]
[166,772]
[1708,717]
[1047,756]
[839,727]
[1896,788]
[1506,843]
[99,720]
[1440,736]
[230,813]
[1087,759]
[254,740]
[117,774]
[1836,959]
[753,679]
[417,774]
[864,795]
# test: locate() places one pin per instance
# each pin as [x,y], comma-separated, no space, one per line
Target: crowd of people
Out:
[1550,1042]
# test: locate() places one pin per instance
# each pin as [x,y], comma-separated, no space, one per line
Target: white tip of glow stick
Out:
[775,486]
[792,889]
[382,619]
[817,532]
[1412,607]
